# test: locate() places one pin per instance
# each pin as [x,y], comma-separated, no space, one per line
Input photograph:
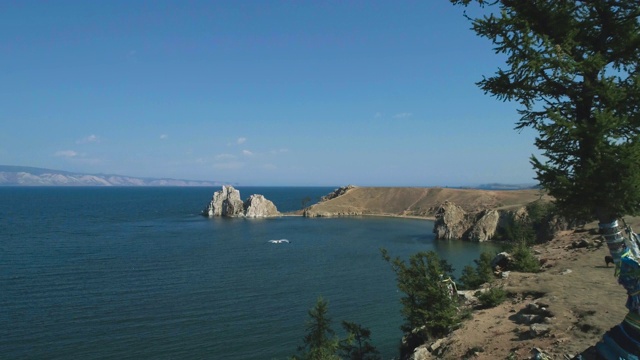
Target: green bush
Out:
[492,297]
[472,278]
[523,259]
[533,228]
[428,306]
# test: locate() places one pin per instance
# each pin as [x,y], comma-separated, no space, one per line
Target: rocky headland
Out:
[227,203]
[558,313]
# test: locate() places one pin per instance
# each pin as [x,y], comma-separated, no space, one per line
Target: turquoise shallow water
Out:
[112,273]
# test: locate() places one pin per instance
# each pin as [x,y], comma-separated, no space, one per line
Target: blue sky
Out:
[371,93]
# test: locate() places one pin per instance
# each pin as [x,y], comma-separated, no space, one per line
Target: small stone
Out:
[539,329]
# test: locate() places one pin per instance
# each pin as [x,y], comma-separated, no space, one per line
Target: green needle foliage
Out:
[472,278]
[320,342]
[429,309]
[573,68]
[492,297]
[357,345]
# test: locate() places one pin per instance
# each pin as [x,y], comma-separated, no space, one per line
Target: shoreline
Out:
[416,217]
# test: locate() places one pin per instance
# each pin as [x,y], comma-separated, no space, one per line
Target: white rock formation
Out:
[451,222]
[227,202]
[258,206]
[485,227]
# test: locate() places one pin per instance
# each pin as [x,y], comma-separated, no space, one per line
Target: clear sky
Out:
[370,93]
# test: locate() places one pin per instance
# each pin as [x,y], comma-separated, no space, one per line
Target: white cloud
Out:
[247,153]
[241,140]
[132,56]
[279,151]
[66,153]
[228,165]
[378,115]
[225,157]
[402,115]
[89,139]
[269,167]
[164,137]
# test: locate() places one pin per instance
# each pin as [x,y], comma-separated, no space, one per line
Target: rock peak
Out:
[227,202]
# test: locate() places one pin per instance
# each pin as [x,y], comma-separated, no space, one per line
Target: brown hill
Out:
[421,202]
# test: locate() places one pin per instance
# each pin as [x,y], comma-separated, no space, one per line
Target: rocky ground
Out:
[580,295]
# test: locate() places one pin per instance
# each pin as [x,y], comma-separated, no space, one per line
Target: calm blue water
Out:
[112,273]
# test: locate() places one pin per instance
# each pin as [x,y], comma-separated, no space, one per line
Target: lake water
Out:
[113,273]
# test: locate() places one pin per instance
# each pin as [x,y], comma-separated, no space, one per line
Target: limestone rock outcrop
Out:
[258,206]
[451,222]
[485,227]
[337,192]
[227,202]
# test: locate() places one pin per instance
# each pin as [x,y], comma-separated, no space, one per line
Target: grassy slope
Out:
[405,201]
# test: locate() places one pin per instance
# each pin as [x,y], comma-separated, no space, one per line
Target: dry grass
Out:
[423,202]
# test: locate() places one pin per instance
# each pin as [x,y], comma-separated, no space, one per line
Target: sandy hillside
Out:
[579,290]
[401,201]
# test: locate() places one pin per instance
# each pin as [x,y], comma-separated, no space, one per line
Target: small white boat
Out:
[281,241]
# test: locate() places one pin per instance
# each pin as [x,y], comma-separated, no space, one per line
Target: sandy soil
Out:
[580,291]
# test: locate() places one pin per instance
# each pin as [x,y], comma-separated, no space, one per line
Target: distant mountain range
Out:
[31,176]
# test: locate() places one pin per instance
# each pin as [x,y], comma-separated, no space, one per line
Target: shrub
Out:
[429,309]
[492,297]
[523,259]
[472,278]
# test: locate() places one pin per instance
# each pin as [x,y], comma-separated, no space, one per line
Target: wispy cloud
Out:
[164,137]
[378,115]
[402,115]
[241,140]
[225,157]
[132,56]
[279,151]
[269,167]
[89,139]
[66,153]
[228,165]
[247,153]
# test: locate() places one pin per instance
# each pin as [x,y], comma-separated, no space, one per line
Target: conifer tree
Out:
[429,307]
[573,68]
[320,342]
[357,345]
